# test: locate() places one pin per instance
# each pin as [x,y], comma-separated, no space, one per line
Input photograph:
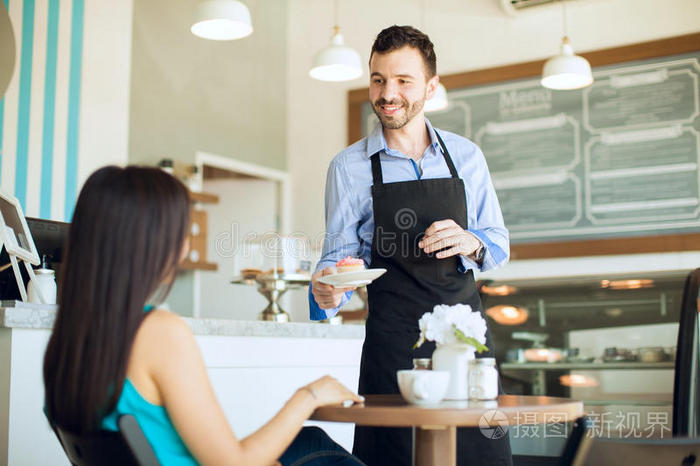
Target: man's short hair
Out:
[396,37]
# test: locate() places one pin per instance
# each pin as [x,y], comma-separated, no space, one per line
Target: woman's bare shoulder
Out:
[165,317]
[161,341]
[162,327]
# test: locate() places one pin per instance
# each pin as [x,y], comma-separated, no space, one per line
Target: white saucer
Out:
[358,278]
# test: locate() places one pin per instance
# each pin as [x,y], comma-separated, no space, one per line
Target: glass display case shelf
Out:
[561,366]
[627,403]
[612,341]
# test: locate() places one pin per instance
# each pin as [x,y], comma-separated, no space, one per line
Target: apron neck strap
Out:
[446,154]
[376,169]
[377,166]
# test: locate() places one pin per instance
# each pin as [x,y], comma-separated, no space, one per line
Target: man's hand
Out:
[327,296]
[447,234]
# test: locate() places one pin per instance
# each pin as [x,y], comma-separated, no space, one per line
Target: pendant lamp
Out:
[337,62]
[566,71]
[222,20]
[438,101]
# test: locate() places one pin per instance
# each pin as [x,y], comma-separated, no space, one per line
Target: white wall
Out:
[247,209]
[468,36]
[104,111]
[191,94]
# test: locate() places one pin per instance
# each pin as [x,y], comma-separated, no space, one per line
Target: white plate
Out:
[358,278]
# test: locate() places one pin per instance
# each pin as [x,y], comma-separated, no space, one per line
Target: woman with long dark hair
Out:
[111,354]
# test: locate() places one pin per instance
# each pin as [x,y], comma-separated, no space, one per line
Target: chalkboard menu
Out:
[620,158]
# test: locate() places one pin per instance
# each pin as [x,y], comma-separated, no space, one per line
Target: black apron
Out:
[414,283]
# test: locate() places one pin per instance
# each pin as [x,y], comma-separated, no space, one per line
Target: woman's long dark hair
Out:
[125,241]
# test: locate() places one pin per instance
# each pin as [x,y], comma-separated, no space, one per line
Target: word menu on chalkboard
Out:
[618,158]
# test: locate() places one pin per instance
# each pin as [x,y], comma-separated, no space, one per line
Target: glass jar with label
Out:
[44,280]
[483,379]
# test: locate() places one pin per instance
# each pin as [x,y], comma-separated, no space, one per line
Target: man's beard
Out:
[394,122]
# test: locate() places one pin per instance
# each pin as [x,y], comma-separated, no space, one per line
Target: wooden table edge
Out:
[543,410]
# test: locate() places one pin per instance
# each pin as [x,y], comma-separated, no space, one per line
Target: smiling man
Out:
[418,202]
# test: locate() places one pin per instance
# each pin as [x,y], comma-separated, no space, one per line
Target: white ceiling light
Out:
[222,20]
[439,100]
[566,71]
[337,62]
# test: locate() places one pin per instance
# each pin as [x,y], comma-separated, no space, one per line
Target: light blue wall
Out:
[29,118]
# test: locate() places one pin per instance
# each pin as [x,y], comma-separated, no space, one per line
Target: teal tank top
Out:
[155,424]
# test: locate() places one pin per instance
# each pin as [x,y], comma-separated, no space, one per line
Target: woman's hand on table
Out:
[327,296]
[328,391]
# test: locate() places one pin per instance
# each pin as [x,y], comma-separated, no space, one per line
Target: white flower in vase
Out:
[453,324]
[458,332]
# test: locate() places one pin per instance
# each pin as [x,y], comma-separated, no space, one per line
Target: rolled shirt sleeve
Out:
[342,219]
[341,238]
[316,313]
[489,226]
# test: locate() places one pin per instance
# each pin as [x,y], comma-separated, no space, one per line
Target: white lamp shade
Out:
[337,62]
[566,71]
[222,20]
[439,100]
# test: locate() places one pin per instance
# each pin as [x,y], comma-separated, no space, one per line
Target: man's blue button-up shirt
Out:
[349,215]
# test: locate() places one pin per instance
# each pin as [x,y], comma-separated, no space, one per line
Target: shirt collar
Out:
[376,141]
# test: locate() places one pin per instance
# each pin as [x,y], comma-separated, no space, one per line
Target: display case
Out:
[610,341]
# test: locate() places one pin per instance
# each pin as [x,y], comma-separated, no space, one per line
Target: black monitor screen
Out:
[49,238]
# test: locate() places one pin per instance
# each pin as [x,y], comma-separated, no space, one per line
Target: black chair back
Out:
[686,388]
[583,449]
[582,427]
[127,447]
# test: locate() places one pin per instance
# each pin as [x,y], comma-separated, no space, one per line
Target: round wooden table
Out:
[435,426]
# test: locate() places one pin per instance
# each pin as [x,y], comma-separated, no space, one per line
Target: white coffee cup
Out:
[423,387]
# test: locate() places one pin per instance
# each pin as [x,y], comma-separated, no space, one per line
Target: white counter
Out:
[42,317]
[254,368]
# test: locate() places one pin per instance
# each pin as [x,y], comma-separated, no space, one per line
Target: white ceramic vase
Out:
[455,358]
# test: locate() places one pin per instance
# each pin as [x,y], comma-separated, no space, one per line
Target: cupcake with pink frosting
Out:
[350,264]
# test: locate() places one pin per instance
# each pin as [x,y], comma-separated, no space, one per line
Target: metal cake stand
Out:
[273,286]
